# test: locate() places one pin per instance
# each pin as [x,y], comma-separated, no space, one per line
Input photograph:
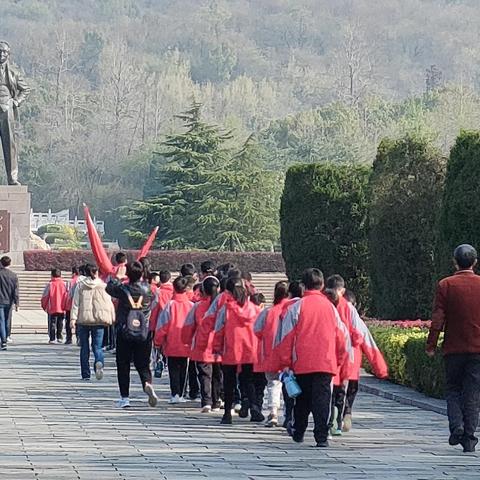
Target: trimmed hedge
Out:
[406,190]
[323,219]
[42,260]
[460,215]
[404,352]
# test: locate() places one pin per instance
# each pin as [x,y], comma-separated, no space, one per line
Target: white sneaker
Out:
[206,409]
[52,342]
[123,403]
[174,399]
[347,423]
[98,370]
[182,400]
[237,407]
[152,396]
[9,340]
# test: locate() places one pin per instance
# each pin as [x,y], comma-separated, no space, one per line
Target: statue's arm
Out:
[22,88]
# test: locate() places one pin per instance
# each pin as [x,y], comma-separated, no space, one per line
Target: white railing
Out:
[37,220]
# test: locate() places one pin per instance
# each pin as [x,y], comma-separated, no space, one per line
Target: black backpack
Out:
[135,328]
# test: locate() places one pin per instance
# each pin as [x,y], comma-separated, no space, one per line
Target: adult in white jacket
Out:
[92,310]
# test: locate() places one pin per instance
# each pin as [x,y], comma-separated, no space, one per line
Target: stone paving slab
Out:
[401,394]
[54,426]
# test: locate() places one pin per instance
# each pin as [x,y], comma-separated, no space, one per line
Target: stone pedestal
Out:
[14,222]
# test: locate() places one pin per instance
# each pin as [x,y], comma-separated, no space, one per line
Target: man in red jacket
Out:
[313,341]
[456,311]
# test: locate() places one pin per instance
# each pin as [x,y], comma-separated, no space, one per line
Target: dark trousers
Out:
[55,326]
[4,314]
[463,392]
[252,387]
[236,394]
[139,352]
[288,403]
[9,321]
[315,397]
[110,337]
[9,144]
[177,372]
[211,378]
[352,391]
[338,402]
[229,385]
[68,328]
[193,386]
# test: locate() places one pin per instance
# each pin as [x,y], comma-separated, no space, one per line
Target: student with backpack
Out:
[134,341]
[92,310]
[168,337]
[53,304]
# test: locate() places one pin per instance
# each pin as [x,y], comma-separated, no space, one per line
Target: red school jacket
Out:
[168,334]
[234,338]
[53,297]
[312,337]
[195,329]
[265,328]
[162,296]
[367,347]
[206,330]
[345,311]
[70,290]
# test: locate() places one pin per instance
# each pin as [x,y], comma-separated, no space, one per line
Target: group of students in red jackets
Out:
[217,329]
[240,347]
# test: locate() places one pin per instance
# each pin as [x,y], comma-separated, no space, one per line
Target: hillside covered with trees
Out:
[314,80]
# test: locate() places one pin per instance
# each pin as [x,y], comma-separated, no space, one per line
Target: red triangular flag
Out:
[103,261]
[148,244]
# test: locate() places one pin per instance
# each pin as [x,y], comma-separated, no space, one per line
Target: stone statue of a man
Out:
[13,91]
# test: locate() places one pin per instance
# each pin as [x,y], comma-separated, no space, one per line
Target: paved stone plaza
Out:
[54,426]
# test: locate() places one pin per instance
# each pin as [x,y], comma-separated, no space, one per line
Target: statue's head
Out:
[4,52]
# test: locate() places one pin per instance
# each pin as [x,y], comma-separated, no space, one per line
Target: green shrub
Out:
[61,236]
[51,228]
[423,373]
[42,260]
[323,216]
[404,352]
[460,214]
[406,188]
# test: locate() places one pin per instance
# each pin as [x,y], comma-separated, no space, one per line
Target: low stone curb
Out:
[401,394]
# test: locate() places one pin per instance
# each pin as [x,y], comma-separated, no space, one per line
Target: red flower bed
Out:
[42,260]
[373,322]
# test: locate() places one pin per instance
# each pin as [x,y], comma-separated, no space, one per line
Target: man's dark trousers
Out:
[463,392]
[315,397]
